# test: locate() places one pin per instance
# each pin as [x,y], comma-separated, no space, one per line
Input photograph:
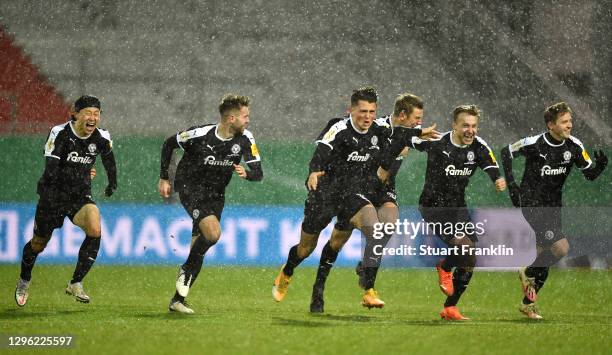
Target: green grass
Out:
[236,314]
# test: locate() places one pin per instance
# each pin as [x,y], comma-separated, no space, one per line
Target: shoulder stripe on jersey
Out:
[50,144]
[516,146]
[577,141]
[249,135]
[333,131]
[184,136]
[105,134]
[491,166]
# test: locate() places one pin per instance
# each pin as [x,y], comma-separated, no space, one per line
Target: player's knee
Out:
[39,244]
[93,230]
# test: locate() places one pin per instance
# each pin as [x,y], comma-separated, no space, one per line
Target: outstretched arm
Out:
[601,161]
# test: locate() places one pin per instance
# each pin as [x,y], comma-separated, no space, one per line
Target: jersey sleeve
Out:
[522,147]
[332,137]
[185,139]
[487,158]
[56,143]
[582,160]
[107,142]
[250,153]
[419,144]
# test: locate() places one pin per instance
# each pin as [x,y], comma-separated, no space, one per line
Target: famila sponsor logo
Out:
[210,160]
[75,158]
[451,170]
[548,171]
[354,156]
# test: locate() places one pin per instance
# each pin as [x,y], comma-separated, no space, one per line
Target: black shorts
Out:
[348,206]
[546,223]
[448,223]
[53,208]
[200,205]
[383,193]
[319,210]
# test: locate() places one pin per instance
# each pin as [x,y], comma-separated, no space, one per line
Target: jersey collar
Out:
[75,133]
[219,137]
[450,138]
[355,128]
[551,143]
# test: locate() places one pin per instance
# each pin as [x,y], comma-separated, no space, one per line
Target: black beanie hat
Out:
[86,101]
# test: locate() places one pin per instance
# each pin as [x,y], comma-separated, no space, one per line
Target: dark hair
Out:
[366,93]
[407,102]
[552,112]
[469,109]
[86,101]
[231,102]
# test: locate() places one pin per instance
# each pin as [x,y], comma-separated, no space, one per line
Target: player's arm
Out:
[108,161]
[170,144]
[396,149]
[54,151]
[319,161]
[488,164]
[250,154]
[513,188]
[589,170]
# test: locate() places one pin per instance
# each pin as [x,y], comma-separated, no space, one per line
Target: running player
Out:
[65,191]
[212,153]
[451,161]
[407,112]
[549,158]
[347,157]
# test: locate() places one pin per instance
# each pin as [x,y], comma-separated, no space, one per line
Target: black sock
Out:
[292,261]
[27,261]
[540,274]
[544,259]
[178,297]
[370,276]
[193,265]
[447,264]
[328,258]
[87,257]
[461,279]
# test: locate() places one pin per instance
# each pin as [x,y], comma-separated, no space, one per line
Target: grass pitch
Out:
[236,313]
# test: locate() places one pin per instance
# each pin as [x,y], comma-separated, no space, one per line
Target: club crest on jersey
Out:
[235,149]
[92,148]
[453,171]
[196,213]
[354,156]
[549,171]
[567,155]
[75,158]
[549,235]
[470,157]
[374,140]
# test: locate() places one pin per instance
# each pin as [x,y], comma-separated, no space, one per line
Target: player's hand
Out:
[515,193]
[110,189]
[164,188]
[404,152]
[500,184]
[239,169]
[92,173]
[430,132]
[313,179]
[600,158]
[383,175]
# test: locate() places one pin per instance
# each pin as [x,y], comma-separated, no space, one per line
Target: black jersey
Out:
[548,163]
[449,168]
[208,161]
[397,162]
[352,157]
[70,159]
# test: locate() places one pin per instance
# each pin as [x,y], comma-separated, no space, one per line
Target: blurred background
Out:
[162,66]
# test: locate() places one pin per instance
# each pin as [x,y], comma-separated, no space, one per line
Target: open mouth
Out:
[90,125]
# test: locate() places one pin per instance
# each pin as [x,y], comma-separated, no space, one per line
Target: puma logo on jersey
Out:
[548,171]
[75,158]
[452,171]
[446,153]
[355,139]
[354,156]
[543,156]
[211,160]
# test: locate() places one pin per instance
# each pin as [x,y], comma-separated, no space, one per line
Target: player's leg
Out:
[328,257]
[318,213]
[364,220]
[88,219]
[444,268]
